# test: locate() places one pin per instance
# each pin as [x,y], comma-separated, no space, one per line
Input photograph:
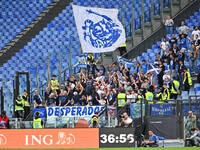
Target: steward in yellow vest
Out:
[122,49]
[159,96]
[175,88]
[26,104]
[140,97]
[18,107]
[187,82]
[94,120]
[90,59]
[37,122]
[121,99]
[166,93]
[149,97]
[53,84]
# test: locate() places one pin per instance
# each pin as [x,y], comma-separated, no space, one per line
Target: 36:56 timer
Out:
[122,138]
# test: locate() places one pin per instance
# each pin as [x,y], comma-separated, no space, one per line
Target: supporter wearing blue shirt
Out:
[101,70]
[153,140]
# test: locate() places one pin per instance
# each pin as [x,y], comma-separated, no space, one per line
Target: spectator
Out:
[193,59]
[195,34]
[52,99]
[183,28]
[4,120]
[37,100]
[62,97]
[164,46]
[172,40]
[166,78]
[169,23]
[190,122]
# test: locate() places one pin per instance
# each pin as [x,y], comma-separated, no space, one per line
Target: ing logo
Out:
[3,139]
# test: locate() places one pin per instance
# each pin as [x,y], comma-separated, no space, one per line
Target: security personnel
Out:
[175,88]
[90,59]
[149,96]
[18,107]
[26,104]
[166,93]
[121,99]
[159,96]
[37,122]
[187,82]
[140,97]
[122,49]
[94,120]
[90,64]
[53,84]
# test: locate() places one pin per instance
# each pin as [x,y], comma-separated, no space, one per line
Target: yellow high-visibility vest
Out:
[189,78]
[37,123]
[55,82]
[149,97]
[19,107]
[166,94]
[176,85]
[123,45]
[25,102]
[121,99]
[90,59]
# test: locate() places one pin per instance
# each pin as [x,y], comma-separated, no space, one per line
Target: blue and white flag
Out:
[153,69]
[127,63]
[99,29]
[81,61]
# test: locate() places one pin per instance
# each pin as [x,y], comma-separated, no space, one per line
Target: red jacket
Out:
[3,122]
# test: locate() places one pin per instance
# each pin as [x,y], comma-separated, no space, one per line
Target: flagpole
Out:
[70,56]
[59,69]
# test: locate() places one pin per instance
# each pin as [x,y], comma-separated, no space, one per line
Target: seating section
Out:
[54,39]
[16,15]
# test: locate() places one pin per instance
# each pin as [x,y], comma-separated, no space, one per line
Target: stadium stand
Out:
[52,39]
[16,15]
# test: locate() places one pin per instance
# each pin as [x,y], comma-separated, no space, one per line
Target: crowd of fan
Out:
[102,85]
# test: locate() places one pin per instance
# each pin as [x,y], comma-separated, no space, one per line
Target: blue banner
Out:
[195,109]
[42,112]
[135,110]
[161,109]
[73,111]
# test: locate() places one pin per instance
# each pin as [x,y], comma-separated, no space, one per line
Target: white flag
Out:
[99,29]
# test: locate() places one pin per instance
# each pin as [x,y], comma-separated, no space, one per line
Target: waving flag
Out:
[81,61]
[153,69]
[99,29]
[127,63]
